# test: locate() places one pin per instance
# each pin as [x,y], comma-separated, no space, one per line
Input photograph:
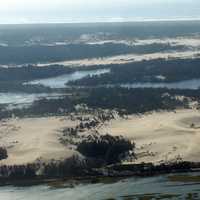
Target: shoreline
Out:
[114,173]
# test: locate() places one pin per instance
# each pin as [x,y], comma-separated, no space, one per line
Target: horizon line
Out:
[176,19]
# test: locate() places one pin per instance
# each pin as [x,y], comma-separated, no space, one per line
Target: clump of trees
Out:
[18,171]
[3,153]
[73,166]
[108,148]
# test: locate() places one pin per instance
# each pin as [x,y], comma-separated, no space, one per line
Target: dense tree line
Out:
[76,166]
[70,167]
[18,171]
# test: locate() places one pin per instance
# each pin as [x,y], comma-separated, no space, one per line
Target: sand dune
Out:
[161,136]
[32,138]
[126,58]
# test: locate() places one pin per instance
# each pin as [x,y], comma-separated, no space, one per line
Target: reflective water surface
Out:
[60,81]
[160,187]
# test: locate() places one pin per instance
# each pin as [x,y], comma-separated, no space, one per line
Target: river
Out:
[159,187]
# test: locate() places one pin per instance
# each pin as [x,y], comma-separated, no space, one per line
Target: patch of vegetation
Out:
[184,178]
[106,147]
[153,196]
[3,153]
[41,107]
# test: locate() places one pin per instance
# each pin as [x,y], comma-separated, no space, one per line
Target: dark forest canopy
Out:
[48,33]
[108,148]
[30,72]
[3,153]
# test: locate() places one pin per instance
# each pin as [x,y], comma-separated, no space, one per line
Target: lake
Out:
[60,81]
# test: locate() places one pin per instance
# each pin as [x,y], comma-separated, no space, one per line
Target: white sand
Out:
[161,136]
[126,58]
[31,138]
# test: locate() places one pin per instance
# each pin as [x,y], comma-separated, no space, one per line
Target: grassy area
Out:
[184,178]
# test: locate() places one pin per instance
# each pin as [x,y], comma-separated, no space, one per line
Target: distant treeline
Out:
[27,73]
[158,70]
[69,167]
[48,33]
[39,53]
[77,168]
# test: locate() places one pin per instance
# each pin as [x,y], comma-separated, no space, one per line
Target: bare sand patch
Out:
[161,136]
[125,58]
[30,139]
